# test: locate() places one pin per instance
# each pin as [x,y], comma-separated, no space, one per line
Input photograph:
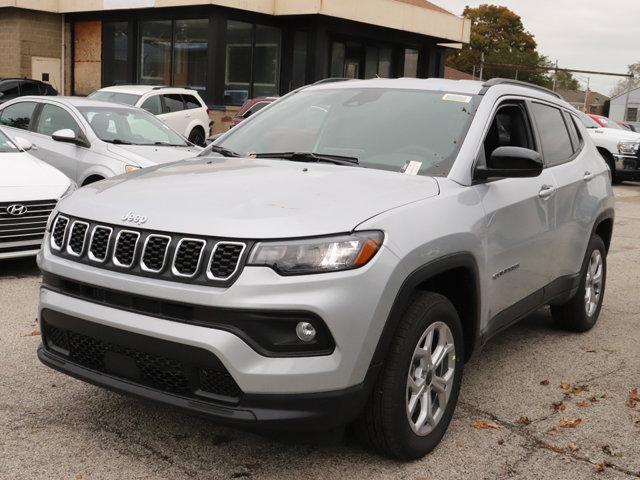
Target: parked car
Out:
[11,88]
[605,122]
[180,108]
[250,107]
[618,146]
[29,191]
[90,140]
[348,281]
[633,126]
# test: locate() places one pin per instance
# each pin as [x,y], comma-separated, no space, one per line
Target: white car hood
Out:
[149,155]
[614,134]
[249,198]
[24,177]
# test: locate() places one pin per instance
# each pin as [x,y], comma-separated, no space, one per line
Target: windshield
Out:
[126,126]
[388,129]
[6,145]
[115,97]
[587,121]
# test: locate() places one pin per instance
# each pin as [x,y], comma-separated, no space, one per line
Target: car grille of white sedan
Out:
[23,224]
[169,256]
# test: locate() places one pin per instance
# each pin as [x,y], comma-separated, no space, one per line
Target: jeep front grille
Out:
[168,256]
[24,228]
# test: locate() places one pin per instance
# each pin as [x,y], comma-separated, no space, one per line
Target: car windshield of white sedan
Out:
[409,131]
[6,145]
[125,126]
[115,97]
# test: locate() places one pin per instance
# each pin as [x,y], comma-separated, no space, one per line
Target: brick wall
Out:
[88,57]
[24,34]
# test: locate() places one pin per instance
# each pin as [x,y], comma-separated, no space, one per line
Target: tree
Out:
[565,81]
[628,83]
[499,33]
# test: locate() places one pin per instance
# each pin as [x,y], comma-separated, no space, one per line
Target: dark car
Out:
[11,88]
[250,107]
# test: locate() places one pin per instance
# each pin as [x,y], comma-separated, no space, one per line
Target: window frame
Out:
[563,111]
[38,114]
[164,103]
[34,114]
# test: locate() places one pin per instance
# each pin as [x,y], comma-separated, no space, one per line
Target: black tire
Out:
[384,425]
[92,179]
[197,137]
[573,315]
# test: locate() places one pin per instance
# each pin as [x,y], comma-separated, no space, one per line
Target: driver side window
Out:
[510,128]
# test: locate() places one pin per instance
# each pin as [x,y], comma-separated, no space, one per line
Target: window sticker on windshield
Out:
[411,168]
[452,97]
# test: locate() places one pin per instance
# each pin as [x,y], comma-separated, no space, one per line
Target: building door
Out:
[47,69]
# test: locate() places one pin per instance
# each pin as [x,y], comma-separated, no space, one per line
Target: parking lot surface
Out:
[537,402]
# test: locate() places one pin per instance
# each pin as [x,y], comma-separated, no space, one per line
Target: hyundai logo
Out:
[16,209]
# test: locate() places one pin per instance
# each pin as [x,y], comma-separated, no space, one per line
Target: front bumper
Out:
[627,167]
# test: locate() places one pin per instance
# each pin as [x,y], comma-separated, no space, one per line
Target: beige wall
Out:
[24,34]
[88,57]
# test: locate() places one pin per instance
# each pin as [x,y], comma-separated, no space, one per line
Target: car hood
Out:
[24,177]
[149,155]
[614,134]
[249,198]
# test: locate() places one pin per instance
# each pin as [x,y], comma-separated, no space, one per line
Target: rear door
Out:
[173,113]
[519,221]
[575,170]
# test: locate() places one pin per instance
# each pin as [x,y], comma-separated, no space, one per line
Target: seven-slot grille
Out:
[26,226]
[174,257]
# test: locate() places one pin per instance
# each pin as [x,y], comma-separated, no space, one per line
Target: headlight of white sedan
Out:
[628,148]
[318,255]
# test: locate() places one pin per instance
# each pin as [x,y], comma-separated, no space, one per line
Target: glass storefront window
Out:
[154,67]
[384,62]
[252,62]
[190,59]
[299,74]
[337,59]
[115,53]
[410,63]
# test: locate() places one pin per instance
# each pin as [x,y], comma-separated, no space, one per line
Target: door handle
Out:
[546,191]
[588,176]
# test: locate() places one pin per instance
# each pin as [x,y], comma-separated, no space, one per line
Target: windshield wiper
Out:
[117,141]
[310,157]
[167,144]
[225,152]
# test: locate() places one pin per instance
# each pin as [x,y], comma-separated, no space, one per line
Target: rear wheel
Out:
[417,390]
[581,313]
[197,137]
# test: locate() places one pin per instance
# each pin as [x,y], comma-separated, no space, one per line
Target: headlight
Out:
[131,168]
[630,148]
[318,255]
[72,188]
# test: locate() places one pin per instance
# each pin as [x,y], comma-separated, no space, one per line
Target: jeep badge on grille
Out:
[133,218]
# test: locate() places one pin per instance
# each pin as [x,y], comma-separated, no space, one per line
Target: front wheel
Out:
[417,391]
[197,137]
[581,313]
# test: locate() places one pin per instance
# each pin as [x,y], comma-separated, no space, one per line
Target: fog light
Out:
[305,331]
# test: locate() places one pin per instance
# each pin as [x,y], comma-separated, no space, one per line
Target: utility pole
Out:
[586,94]
[555,76]
[626,102]
[481,65]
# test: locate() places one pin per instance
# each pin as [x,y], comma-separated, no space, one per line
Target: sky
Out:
[600,35]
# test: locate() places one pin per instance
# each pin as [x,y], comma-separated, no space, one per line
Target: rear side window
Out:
[191,102]
[9,90]
[29,88]
[18,115]
[554,136]
[256,108]
[173,103]
[574,132]
[49,90]
[152,105]
[53,118]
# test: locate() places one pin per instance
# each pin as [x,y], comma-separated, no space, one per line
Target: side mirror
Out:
[22,143]
[1,94]
[66,135]
[511,162]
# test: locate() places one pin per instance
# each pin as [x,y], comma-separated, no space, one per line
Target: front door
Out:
[520,218]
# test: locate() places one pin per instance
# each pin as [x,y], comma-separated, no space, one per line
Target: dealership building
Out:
[228,50]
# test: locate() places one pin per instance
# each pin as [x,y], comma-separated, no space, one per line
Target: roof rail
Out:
[160,87]
[332,80]
[507,81]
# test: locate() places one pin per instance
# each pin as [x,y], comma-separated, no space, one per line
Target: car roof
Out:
[142,89]
[20,79]
[467,87]
[72,101]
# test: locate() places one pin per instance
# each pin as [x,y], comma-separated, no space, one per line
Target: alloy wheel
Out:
[593,283]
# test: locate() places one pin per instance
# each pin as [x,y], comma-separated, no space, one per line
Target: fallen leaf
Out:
[565,386]
[573,447]
[600,467]
[593,399]
[559,406]
[577,389]
[35,333]
[484,425]
[523,420]
[609,451]
[633,398]
[569,423]
[78,477]
[544,382]
[582,404]
[591,350]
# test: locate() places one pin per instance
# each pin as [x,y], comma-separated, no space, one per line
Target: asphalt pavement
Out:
[536,403]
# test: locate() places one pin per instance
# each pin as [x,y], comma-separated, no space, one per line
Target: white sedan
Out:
[29,191]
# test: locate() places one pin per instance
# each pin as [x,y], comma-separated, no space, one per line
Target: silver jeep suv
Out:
[335,259]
